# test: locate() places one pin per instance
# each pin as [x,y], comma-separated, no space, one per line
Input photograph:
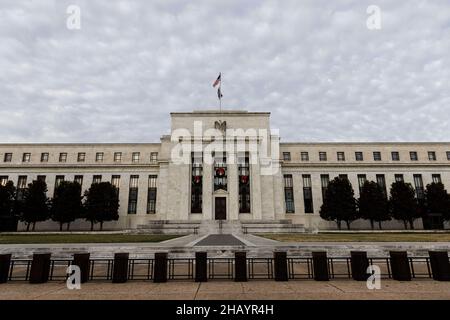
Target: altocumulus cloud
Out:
[313,64]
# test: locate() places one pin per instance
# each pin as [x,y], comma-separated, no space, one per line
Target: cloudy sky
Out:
[314,64]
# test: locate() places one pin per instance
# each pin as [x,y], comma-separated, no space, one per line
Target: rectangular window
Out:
[41,178]
[304,156]
[413,156]
[97,179]
[26,157]
[135,157]
[44,157]
[361,180]
[377,156]
[58,181]
[431,155]
[436,178]
[307,193]
[322,156]
[399,178]
[21,186]
[3,180]
[286,156]
[78,179]
[153,157]
[99,157]
[220,171]
[418,183]
[151,195]
[244,183]
[324,181]
[115,181]
[395,156]
[63,157]
[340,156]
[196,182]
[448,155]
[117,156]
[81,157]
[381,181]
[289,193]
[359,156]
[133,194]
[8,157]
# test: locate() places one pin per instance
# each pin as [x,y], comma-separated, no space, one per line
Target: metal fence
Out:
[298,268]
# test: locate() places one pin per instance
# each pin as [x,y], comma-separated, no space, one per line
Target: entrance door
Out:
[221,208]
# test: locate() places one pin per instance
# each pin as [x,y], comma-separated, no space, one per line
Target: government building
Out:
[227,166]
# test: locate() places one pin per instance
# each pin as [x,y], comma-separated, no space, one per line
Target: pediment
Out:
[221,191]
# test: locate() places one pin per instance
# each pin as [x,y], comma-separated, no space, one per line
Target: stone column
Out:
[207,192]
[255,191]
[233,188]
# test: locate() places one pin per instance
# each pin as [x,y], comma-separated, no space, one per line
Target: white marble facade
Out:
[240,133]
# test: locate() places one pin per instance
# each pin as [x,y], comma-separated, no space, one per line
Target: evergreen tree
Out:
[403,203]
[101,204]
[437,200]
[373,204]
[35,204]
[66,204]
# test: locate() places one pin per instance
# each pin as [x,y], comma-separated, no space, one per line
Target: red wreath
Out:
[197,179]
[244,179]
[220,172]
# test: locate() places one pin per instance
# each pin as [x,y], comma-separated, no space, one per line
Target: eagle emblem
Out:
[220,125]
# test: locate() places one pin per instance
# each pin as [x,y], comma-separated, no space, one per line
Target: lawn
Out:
[361,237]
[82,238]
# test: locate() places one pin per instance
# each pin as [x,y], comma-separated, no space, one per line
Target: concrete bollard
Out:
[280,266]
[400,266]
[320,266]
[201,267]
[5,262]
[40,268]
[82,261]
[120,268]
[240,266]
[359,263]
[440,266]
[160,267]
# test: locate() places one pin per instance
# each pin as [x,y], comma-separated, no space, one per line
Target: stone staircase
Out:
[219,227]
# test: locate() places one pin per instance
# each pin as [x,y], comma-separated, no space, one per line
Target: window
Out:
[395,156]
[63,157]
[399,178]
[3,180]
[153,157]
[97,179]
[8,157]
[196,182]
[21,186]
[413,156]
[40,178]
[286,156]
[151,195]
[133,194]
[381,181]
[289,193]
[81,157]
[220,171]
[361,180]
[359,156]
[58,181]
[307,193]
[377,156]
[26,157]
[304,156]
[99,157]
[78,179]
[340,156]
[419,186]
[117,156]
[135,157]
[448,155]
[322,156]
[244,183]
[115,181]
[436,178]
[324,181]
[431,155]
[44,157]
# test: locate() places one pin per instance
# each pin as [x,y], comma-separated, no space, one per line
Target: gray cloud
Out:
[313,64]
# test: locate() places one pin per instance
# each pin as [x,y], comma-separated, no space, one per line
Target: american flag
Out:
[217,81]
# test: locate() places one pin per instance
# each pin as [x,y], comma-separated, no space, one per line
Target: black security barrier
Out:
[359,263]
[240,266]
[5,261]
[120,267]
[400,266]
[280,266]
[440,266]
[160,270]
[82,261]
[320,266]
[40,268]
[201,265]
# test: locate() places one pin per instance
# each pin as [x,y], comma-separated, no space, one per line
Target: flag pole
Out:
[220,96]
